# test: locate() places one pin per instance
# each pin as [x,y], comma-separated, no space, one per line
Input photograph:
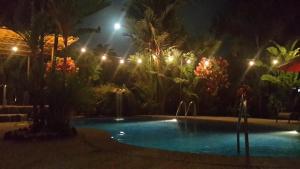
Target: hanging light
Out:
[275,62]
[103,58]
[170,59]
[206,63]
[14,49]
[139,61]
[251,63]
[83,50]
[122,61]
[189,61]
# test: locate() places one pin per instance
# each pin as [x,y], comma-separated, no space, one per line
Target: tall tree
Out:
[155,25]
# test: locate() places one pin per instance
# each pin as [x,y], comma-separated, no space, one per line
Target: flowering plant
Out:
[70,65]
[214,73]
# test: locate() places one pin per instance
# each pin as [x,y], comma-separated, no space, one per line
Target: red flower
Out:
[70,65]
[214,72]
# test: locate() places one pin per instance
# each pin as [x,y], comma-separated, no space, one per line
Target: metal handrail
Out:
[194,107]
[182,103]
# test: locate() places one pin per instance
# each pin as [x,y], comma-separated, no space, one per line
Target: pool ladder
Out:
[182,105]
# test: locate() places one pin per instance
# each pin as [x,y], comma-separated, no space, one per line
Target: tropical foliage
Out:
[214,72]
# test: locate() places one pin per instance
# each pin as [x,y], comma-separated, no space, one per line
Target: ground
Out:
[93,149]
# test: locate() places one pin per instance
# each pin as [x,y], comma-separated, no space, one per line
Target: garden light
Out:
[251,63]
[188,61]
[14,49]
[83,50]
[275,62]
[122,61]
[206,63]
[103,58]
[117,26]
[139,61]
[154,56]
[170,59]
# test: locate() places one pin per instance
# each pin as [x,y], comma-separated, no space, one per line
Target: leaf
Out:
[283,50]
[180,80]
[273,51]
[270,78]
[294,44]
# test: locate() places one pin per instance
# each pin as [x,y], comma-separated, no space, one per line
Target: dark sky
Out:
[197,17]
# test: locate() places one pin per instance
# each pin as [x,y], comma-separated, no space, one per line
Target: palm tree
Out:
[154,25]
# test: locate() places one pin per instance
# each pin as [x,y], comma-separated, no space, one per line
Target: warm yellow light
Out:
[122,61]
[206,63]
[14,49]
[154,56]
[275,62]
[83,50]
[103,57]
[139,61]
[170,59]
[251,63]
[188,61]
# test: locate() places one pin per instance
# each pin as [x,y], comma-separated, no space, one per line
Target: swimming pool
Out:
[196,136]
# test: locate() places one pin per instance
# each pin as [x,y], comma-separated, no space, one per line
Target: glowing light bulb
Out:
[170,59]
[206,63]
[122,61]
[139,61]
[251,63]
[14,49]
[188,61]
[117,26]
[83,50]
[275,62]
[103,57]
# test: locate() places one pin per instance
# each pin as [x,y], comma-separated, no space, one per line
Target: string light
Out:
[275,62]
[14,49]
[83,50]
[188,61]
[251,63]
[206,63]
[103,58]
[139,61]
[122,61]
[170,59]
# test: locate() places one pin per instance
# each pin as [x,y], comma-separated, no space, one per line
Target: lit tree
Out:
[213,71]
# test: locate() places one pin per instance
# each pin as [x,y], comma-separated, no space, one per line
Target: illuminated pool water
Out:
[196,136]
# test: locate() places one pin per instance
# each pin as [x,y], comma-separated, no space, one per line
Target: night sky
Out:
[197,17]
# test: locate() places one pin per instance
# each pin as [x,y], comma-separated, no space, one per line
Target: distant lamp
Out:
[206,63]
[139,61]
[103,58]
[117,26]
[14,49]
[122,61]
[188,61]
[83,50]
[170,59]
[251,63]
[275,62]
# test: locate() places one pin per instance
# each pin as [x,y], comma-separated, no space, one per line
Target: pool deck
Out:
[93,149]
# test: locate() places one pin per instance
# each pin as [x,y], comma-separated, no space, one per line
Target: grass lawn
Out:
[93,149]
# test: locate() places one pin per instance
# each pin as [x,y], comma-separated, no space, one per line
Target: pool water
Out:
[197,136]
